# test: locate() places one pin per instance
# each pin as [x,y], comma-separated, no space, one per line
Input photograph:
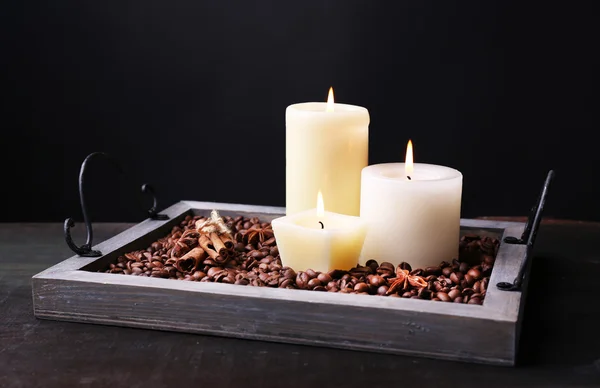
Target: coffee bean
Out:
[198,275]
[324,278]
[337,274]
[458,300]
[467,291]
[469,279]
[454,293]
[405,266]
[447,271]
[407,294]
[377,281]
[487,259]
[332,284]
[287,283]
[464,267]
[474,301]
[424,294]
[436,299]
[484,284]
[456,277]
[372,264]
[475,274]
[432,271]
[361,287]
[443,297]
[416,272]
[302,280]
[382,290]
[477,286]
[312,283]
[319,288]
[311,274]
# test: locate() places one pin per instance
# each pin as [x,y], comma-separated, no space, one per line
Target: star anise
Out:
[403,279]
[257,234]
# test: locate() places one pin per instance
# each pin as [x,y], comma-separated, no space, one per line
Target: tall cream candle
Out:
[327,146]
[412,213]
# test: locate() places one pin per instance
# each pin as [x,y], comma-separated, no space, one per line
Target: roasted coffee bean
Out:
[464,267]
[443,297]
[336,273]
[476,295]
[416,272]
[432,271]
[489,260]
[213,271]
[475,274]
[387,266]
[469,279]
[372,264]
[458,299]
[324,278]
[361,287]
[424,294]
[477,286]
[447,271]
[454,293]
[474,301]
[484,284]
[405,266]
[198,275]
[436,299]
[377,281]
[287,283]
[467,291]
[311,274]
[407,294]
[456,277]
[312,283]
[274,251]
[382,290]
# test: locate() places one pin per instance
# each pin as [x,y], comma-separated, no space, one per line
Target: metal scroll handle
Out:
[528,236]
[86,249]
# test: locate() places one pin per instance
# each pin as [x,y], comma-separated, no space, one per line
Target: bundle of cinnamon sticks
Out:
[210,242]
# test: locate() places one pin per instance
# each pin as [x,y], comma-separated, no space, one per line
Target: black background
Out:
[191,95]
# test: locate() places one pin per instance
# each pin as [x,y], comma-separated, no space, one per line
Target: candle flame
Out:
[320,205]
[408,164]
[330,100]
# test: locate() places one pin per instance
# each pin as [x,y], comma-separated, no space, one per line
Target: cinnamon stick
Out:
[190,261]
[227,240]
[208,247]
[219,245]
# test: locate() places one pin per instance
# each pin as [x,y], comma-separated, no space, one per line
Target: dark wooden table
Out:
[560,343]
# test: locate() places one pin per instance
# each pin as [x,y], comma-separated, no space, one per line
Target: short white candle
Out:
[414,220]
[319,239]
[327,146]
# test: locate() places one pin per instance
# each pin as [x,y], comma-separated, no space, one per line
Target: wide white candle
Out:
[327,146]
[319,240]
[415,220]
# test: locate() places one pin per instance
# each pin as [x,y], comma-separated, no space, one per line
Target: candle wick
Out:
[409,178]
[322,226]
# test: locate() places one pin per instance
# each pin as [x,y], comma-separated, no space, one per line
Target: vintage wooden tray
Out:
[73,290]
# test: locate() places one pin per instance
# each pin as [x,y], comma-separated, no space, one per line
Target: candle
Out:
[326,149]
[318,239]
[412,212]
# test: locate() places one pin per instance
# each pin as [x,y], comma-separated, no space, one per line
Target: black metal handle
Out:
[85,249]
[529,235]
[152,213]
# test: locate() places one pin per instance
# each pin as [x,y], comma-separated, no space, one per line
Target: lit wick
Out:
[320,208]
[408,162]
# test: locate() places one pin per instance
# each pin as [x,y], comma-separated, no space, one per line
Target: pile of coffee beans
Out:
[255,262]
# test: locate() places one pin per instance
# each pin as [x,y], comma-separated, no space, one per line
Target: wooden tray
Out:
[73,290]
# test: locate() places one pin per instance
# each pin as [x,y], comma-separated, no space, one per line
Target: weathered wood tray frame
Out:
[73,290]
